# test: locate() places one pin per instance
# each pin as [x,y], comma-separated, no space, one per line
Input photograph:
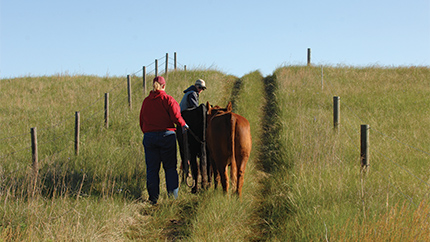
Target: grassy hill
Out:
[317,191]
[303,180]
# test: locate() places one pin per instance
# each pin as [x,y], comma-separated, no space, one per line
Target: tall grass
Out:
[302,182]
[109,169]
[323,195]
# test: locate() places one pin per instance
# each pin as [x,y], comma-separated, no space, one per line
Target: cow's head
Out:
[214,110]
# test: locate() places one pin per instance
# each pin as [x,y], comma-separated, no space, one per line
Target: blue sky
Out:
[116,38]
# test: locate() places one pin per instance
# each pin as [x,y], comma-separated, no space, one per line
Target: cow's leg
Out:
[194,171]
[210,169]
[216,174]
[242,153]
[217,178]
[233,173]
[209,172]
[240,177]
[242,156]
[203,173]
[224,178]
[203,166]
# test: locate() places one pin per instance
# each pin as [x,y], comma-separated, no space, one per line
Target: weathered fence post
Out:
[107,110]
[144,80]
[364,151]
[309,56]
[185,67]
[156,67]
[34,153]
[174,60]
[77,131]
[336,111]
[129,91]
[35,159]
[167,66]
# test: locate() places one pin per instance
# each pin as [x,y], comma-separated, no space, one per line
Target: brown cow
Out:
[229,143]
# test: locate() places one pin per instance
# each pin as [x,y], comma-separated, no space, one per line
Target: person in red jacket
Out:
[158,116]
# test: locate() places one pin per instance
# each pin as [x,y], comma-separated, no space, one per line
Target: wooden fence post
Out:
[174,60]
[107,110]
[336,111]
[309,56]
[144,80]
[77,131]
[167,66]
[35,159]
[129,91]
[156,67]
[185,67]
[364,151]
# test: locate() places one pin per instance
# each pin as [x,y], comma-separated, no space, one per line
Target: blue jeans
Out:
[160,147]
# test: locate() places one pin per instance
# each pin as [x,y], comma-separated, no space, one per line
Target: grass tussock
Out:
[65,219]
[398,223]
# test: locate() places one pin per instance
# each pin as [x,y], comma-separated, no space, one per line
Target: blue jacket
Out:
[190,98]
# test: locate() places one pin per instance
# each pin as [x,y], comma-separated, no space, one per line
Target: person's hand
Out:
[184,128]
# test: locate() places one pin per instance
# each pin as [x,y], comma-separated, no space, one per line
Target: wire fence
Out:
[92,116]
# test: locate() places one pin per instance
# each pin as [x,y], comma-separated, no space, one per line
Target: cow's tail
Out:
[233,168]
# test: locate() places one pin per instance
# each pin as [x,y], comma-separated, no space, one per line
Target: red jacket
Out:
[160,112]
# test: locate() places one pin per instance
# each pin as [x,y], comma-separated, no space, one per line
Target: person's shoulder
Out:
[190,89]
[164,95]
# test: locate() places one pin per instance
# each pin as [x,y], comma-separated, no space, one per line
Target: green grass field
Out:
[324,194]
[302,182]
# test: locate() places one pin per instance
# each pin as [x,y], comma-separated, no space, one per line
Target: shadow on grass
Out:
[235,93]
[273,152]
[275,160]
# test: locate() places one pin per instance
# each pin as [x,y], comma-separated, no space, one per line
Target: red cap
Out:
[159,79]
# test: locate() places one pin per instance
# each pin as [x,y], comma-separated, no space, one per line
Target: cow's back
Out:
[228,130]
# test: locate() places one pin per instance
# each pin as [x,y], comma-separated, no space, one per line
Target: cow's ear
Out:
[229,107]
[208,107]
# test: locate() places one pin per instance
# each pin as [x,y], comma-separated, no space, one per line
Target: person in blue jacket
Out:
[191,95]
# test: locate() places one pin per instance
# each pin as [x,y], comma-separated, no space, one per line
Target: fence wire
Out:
[61,141]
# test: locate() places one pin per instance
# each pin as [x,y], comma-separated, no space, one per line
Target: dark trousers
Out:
[160,147]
